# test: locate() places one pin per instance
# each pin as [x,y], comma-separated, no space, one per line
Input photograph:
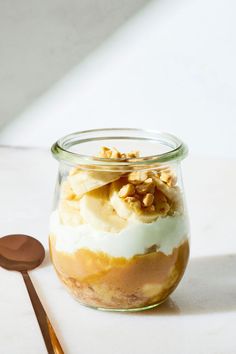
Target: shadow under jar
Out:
[119,232]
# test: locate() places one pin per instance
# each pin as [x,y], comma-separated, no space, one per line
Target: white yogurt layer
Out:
[167,233]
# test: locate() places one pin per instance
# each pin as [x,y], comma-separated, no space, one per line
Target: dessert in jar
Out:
[119,233]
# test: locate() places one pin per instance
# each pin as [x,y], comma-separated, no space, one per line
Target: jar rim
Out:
[60,149]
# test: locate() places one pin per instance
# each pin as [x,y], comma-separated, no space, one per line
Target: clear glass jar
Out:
[119,232]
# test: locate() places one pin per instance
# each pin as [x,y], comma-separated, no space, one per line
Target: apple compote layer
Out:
[99,280]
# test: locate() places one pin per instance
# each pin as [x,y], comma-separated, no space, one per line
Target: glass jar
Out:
[119,232]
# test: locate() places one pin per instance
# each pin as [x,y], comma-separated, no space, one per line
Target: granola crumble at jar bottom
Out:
[119,234]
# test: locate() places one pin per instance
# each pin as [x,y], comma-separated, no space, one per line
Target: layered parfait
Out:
[119,240]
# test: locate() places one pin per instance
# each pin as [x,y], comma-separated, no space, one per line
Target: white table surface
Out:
[199,318]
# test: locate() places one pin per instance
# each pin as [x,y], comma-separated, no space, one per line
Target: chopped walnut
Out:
[168,177]
[137,177]
[130,199]
[171,193]
[134,203]
[153,191]
[147,193]
[127,190]
[148,180]
[113,153]
[146,187]
[162,205]
[132,154]
[148,199]
[105,152]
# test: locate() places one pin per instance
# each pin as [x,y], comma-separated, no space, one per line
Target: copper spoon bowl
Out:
[22,253]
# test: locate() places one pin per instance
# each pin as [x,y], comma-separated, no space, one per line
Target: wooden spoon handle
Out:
[49,336]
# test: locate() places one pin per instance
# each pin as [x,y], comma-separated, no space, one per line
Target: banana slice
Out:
[122,208]
[85,181]
[128,210]
[66,191]
[69,212]
[97,211]
[148,217]
[172,193]
[68,207]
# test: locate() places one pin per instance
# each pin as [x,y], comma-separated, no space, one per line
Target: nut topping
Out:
[105,152]
[113,153]
[134,203]
[168,177]
[152,191]
[132,154]
[127,190]
[146,187]
[148,199]
[137,177]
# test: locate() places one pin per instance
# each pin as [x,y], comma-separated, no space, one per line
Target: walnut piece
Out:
[137,177]
[113,153]
[127,190]
[134,203]
[152,191]
[162,204]
[146,187]
[148,199]
[168,177]
[105,152]
[132,154]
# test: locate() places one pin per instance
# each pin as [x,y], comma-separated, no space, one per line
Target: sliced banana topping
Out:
[66,191]
[85,181]
[172,193]
[69,213]
[69,206]
[108,201]
[123,208]
[96,210]
[146,208]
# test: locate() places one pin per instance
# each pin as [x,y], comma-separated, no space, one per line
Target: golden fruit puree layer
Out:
[99,280]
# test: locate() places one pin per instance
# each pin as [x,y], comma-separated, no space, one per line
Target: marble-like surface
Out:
[199,318]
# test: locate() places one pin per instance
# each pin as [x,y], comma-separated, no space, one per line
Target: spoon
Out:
[23,253]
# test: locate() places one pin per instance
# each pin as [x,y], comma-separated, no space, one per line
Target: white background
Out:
[171,67]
